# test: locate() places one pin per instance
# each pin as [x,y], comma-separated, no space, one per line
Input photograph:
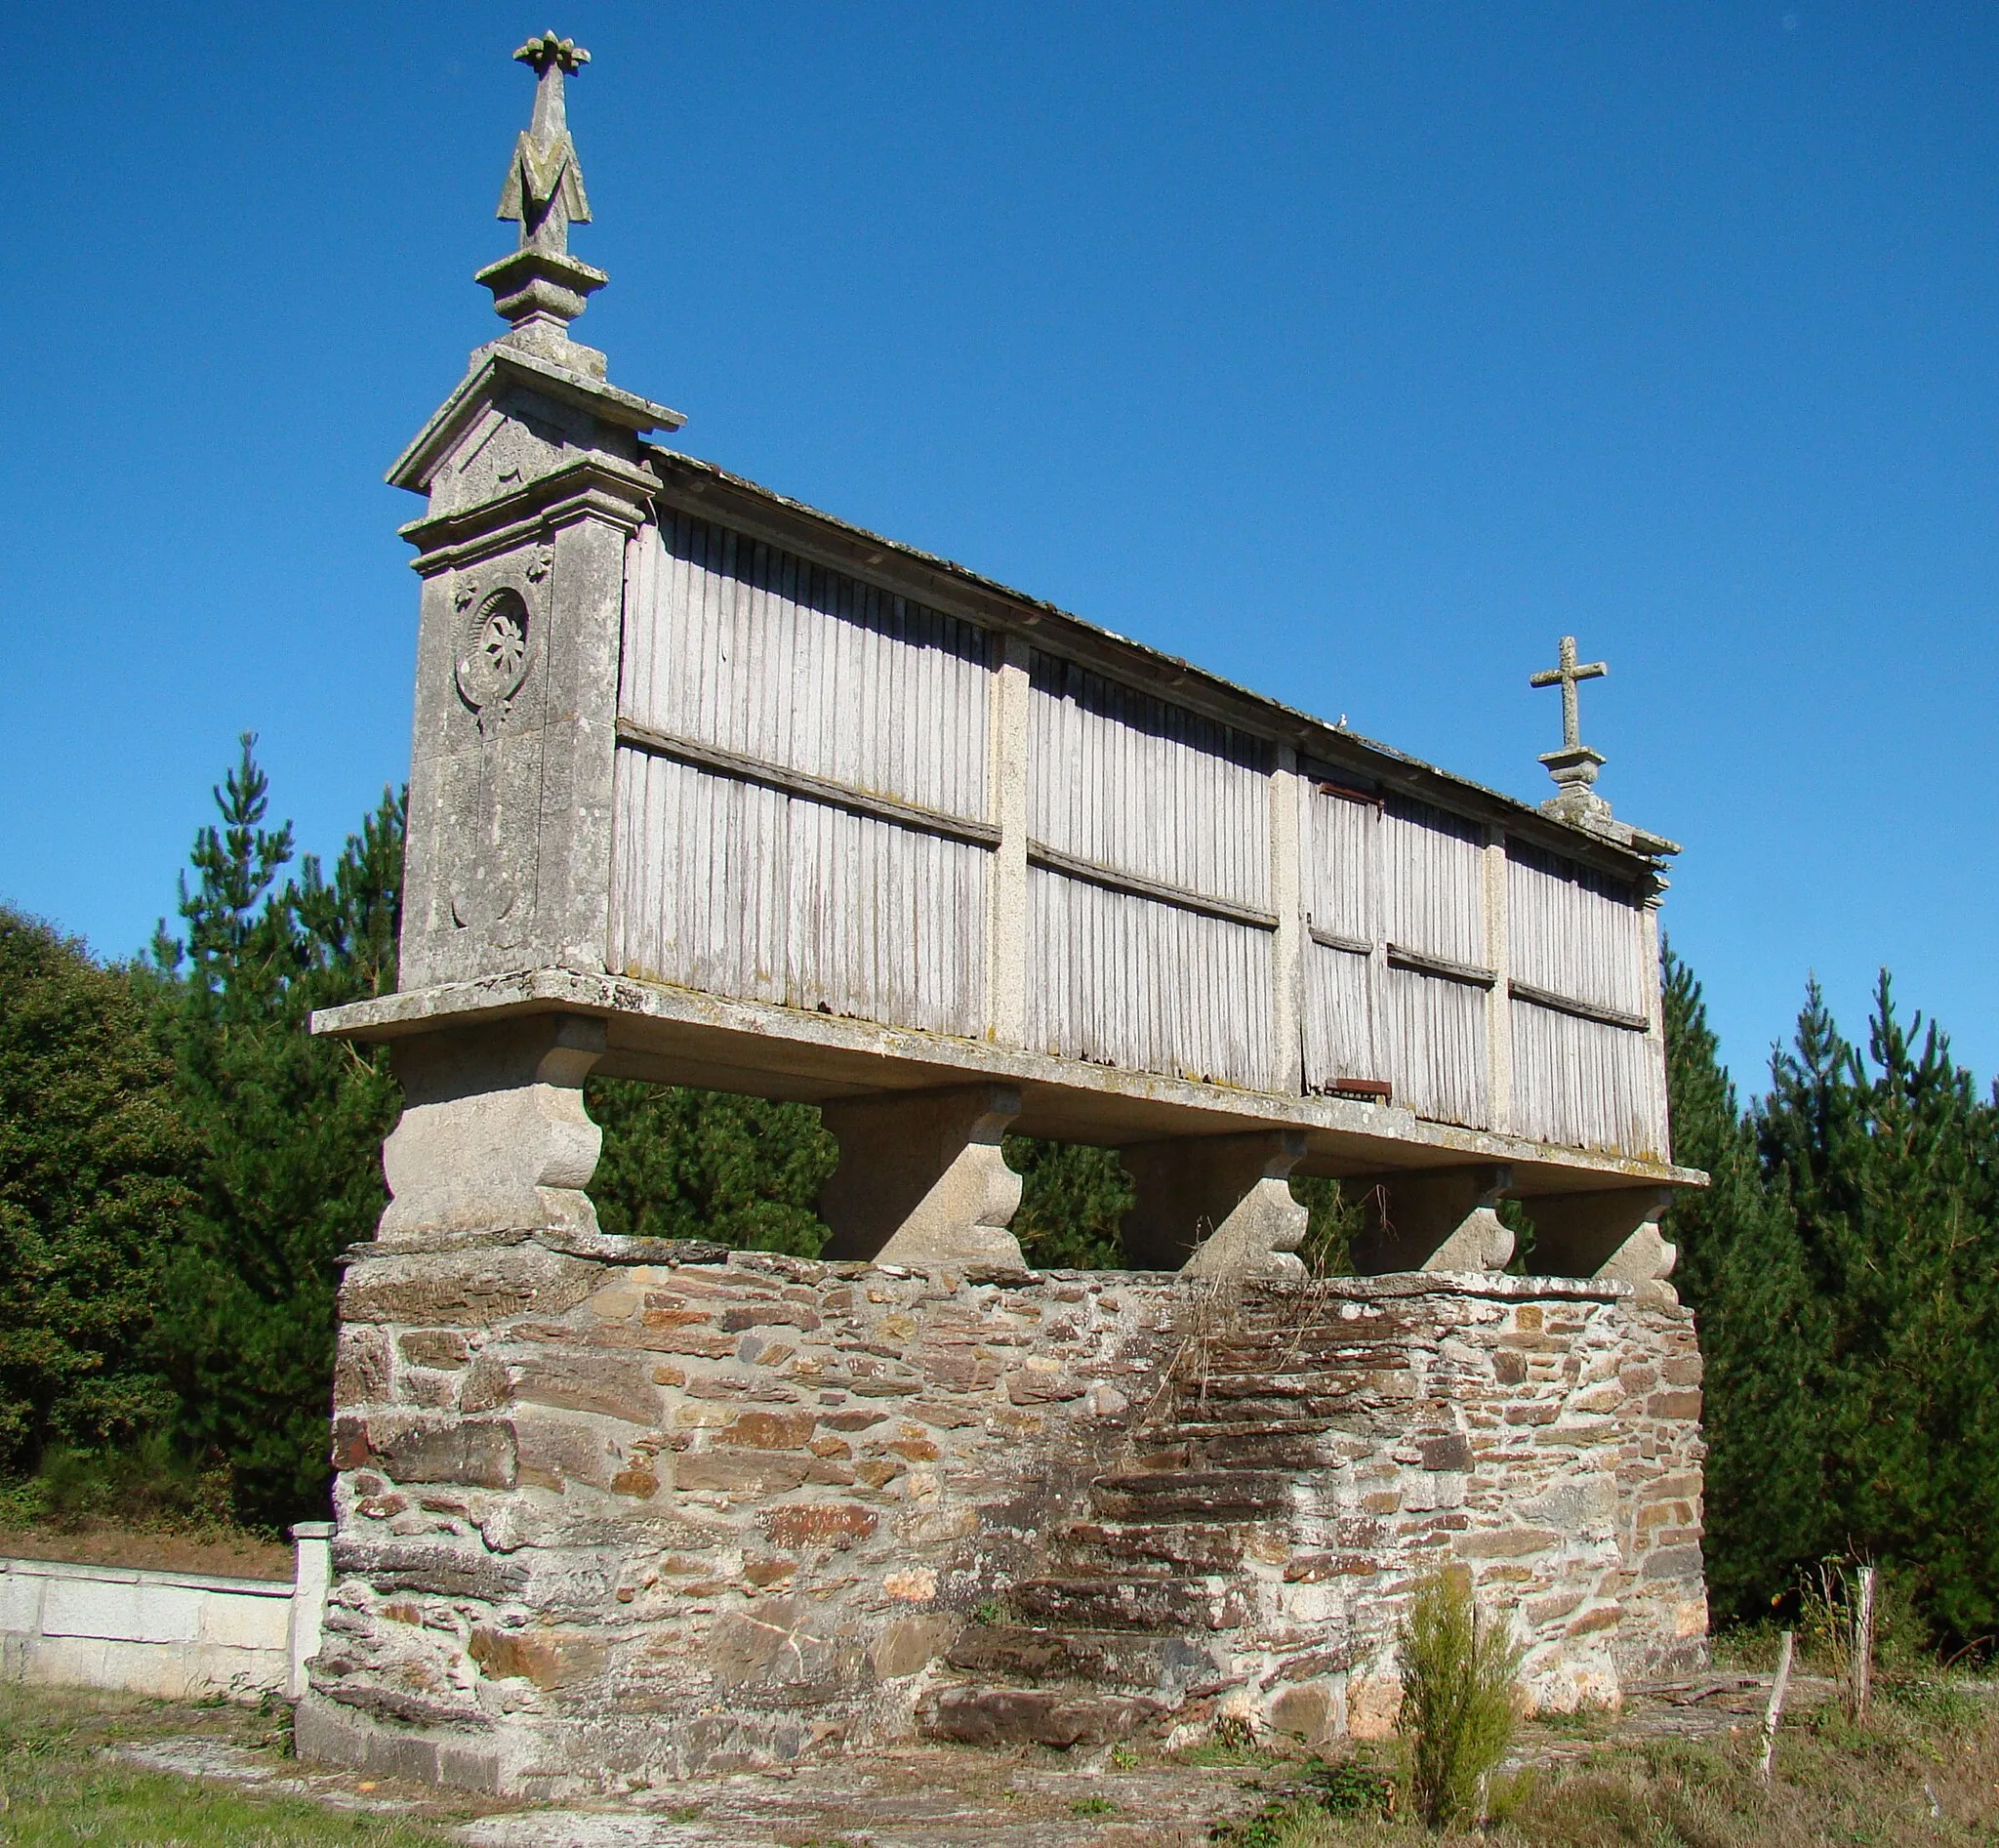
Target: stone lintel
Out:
[1217,1206]
[493,1138]
[1612,1233]
[921,1180]
[1439,1219]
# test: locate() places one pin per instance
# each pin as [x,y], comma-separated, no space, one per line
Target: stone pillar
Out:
[1440,1219]
[921,1180]
[1614,1233]
[1498,998]
[1216,1205]
[1286,898]
[493,1138]
[1006,885]
[312,1576]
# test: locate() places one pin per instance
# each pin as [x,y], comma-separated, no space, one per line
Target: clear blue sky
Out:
[1356,351]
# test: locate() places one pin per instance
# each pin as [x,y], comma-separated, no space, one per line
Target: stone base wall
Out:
[618,1511]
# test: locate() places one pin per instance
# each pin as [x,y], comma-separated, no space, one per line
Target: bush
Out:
[92,1167]
[1458,1698]
[144,1486]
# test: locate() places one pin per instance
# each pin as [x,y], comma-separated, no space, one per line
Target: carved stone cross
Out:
[543,189]
[1566,676]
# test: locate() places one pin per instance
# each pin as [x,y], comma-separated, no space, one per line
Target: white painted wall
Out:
[177,1635]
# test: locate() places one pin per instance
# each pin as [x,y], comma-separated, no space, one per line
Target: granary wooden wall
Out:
[834,797]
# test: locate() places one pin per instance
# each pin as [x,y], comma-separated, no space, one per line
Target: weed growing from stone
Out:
[1457,1701]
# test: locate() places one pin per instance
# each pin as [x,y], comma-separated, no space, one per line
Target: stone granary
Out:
[711,787]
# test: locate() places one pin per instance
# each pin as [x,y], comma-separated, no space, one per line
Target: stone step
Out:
[1186,1430]
[1109,1547]
[1290,1382]
[1164,1668]
[1284,1353]
[1192,1494]
[1240,1449]
[974,1715]
[1243,1400]
[1132,1603]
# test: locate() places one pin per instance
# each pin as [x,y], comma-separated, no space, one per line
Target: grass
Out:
[1925,1770]
[58,1784]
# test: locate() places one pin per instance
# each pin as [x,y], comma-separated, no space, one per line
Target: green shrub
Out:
[1458,1698]
[147,1485]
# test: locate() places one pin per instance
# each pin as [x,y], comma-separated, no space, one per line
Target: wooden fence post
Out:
[1860,1667]
[1774,1710]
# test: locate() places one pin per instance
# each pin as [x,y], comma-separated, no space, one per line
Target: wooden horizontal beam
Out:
[1116,879]
[1423,964]
[1581,1009]
[801,783]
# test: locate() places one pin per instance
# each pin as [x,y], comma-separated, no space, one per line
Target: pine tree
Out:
[1763,1330]
[685,1163]
[1072,1202]
[290,1130]
[91,1165]
[1889,1159]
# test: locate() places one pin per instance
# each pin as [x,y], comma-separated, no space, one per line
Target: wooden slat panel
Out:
[1340,1038]
[1124,980]
[1344,868]
[1586,1084]
[1574,931]
[739,890]
[732,643]
[1433,1033]
[1433,883]
[1127,781]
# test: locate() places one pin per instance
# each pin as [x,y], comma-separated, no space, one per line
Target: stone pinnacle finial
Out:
[543,189]
[541,288]
[1575,766]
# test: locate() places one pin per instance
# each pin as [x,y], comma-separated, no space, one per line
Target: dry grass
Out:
[1924,1771]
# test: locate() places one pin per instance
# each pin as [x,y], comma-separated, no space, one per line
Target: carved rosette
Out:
[493,656]
[493,814]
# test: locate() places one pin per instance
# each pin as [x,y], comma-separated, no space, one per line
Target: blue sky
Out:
[1357,351]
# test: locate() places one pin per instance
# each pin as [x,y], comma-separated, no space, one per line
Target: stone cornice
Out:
[593,485]
[499,365]
[856,1057]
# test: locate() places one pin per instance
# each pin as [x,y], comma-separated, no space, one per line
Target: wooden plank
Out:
[1581,1009]
[1400,957]
[1114,878]
[815,788]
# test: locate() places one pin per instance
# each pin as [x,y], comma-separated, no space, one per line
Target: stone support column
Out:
[1441,1220]
[1216,1205]
[1655,1021]
[1614,1233]
[1498,998]
[493,1138]
[1006,925]
[921,1180]
[1287,901]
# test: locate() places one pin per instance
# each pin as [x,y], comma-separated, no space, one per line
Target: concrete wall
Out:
[175,1634]
[603,1521]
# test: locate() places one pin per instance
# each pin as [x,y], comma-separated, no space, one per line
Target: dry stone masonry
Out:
[709,788]
[615,1517]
